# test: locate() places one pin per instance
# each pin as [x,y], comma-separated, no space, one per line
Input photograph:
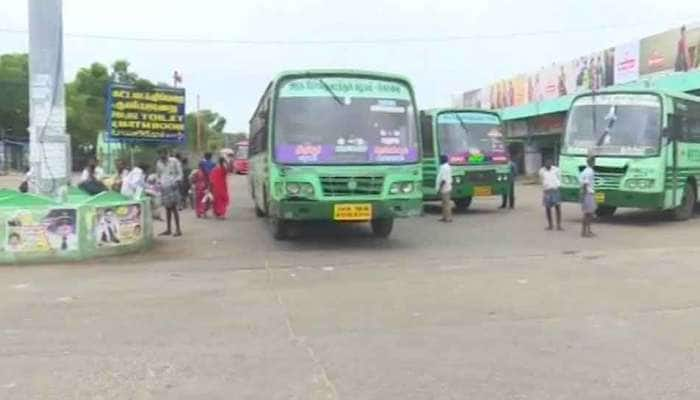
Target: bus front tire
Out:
[685,210]
[279,229]
[382,227]
[463,204]
[605,211]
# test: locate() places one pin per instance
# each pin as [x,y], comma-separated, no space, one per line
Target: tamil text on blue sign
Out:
[149,115]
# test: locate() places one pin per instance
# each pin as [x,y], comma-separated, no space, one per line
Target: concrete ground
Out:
[489,307]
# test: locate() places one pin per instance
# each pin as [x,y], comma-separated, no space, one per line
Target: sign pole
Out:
[49,145]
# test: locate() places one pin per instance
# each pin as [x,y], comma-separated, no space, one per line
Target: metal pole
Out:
[49,146]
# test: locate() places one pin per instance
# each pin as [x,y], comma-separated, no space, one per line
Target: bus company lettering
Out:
[390,150]
[307,150]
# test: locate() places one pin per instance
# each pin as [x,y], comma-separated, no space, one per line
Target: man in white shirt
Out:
[99,172]
[134,181]
[443,185]
[588,206]
[169,171]
[550,178]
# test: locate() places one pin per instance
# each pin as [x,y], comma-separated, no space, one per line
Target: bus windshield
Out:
[614,124]
[332,120]
[470,137]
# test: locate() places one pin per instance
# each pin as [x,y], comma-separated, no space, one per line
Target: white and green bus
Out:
[647,148]
[330,145]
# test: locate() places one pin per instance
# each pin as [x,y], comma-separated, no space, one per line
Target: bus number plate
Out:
[352,212]
[482,190]
[600,198]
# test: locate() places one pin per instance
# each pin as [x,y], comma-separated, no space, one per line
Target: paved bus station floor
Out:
[490,306]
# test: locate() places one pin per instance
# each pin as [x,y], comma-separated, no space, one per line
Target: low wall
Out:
[38,229]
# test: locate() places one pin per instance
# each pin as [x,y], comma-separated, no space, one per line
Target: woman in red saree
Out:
[200,184]
[219,188]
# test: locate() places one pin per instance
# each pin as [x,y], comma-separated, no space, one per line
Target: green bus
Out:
[335,145]
[473,142]
[647,148]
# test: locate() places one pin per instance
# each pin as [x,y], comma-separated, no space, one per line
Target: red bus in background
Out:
[240,158]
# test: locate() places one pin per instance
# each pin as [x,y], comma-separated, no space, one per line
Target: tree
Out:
[14,95]
[85,105]
[212,131]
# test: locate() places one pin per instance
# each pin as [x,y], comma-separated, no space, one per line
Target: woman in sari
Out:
[219,188]
[200,184]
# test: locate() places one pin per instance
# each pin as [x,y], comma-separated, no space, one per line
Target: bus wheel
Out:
[463,204]
[382,227]
[279,228]
[605,211]
[685,210]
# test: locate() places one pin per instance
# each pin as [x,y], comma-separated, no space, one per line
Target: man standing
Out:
[509,195]
[551,181]
[169,172]
[588,206]
[443,185]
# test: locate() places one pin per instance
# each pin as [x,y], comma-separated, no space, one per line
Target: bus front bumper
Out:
[620,198]
[323,210]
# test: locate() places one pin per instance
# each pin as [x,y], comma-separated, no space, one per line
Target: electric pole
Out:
[49,145]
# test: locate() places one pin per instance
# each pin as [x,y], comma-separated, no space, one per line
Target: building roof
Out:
[673,84]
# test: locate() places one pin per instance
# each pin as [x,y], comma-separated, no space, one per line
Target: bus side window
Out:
[426,131]
[258,124]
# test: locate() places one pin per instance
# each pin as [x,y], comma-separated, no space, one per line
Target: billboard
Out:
[145,115]
[41,231]
[673,50]
[627,62]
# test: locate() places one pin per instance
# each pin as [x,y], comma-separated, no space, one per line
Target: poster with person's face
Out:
[674,50]
[118,225]
[42,231]
[627,62]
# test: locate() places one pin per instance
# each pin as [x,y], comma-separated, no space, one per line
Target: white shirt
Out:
[169,172]
[587,178]
[550,178]
[132,182]
[444,175]
[99,174]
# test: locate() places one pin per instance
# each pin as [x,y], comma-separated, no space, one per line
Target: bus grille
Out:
[607,181]
[339,186]
[477,177]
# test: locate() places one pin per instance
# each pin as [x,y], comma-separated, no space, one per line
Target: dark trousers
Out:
[509,197]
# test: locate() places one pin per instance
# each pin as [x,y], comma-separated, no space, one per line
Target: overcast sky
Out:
[230,77]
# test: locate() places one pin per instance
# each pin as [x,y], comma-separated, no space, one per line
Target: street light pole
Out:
[49,146]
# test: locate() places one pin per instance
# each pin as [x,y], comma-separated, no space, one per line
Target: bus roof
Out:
[435,111]
[331,71]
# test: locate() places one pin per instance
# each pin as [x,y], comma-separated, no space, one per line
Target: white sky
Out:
[230,78]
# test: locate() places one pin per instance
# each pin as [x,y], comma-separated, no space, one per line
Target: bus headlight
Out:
[299,189]
[401,187]
[639,183]
[569,180]
[457,179]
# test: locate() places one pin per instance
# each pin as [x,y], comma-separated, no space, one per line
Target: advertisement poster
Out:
[472,99]
[54,230]
[627,62]
[146,115]
[118,225]
[674,50]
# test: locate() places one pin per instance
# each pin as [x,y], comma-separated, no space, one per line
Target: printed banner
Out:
[674,50]
[118,225]
[627,62]
[42,231]
[150,115]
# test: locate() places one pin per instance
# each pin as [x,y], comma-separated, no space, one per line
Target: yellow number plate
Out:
[600,198]
[482,190]
[352,212]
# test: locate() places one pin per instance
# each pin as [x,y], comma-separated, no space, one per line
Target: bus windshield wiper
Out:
[461,122]
[329,90]
[611,118]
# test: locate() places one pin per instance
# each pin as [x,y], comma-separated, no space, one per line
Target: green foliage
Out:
[14,95]
[212,131]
